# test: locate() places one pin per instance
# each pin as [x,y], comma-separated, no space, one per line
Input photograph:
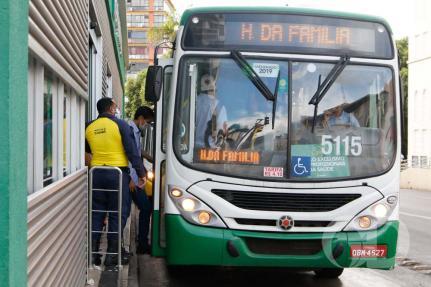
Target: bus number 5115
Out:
[352,145]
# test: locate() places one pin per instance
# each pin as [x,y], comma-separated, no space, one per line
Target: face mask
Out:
[142,126]
[117,113]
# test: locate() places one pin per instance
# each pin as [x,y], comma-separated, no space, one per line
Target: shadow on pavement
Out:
[214,276]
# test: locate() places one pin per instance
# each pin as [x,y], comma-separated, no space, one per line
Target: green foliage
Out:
[135,94]
[403,52]
[165,32]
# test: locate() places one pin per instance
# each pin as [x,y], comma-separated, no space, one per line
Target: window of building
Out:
[66,132]
[137,36]
[56,122]
[415,161]
[159,20]
[137,20]
[158,4]
[136,5]
[138,53]
[47,130]
[424,161]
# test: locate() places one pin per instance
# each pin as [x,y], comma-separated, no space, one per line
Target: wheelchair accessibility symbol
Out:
[300,166]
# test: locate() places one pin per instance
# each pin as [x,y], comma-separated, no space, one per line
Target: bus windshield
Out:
[224,125]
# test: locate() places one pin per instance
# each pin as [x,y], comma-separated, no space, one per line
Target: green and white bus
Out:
[277,141]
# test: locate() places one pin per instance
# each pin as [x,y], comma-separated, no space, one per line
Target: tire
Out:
[330,273]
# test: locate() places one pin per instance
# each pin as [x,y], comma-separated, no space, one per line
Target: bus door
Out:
[157,91]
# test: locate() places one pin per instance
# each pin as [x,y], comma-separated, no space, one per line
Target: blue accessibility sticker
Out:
[300,166]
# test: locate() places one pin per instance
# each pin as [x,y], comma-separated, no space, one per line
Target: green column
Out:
[13,142]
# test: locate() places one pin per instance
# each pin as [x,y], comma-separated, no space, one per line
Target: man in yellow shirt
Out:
[110,142]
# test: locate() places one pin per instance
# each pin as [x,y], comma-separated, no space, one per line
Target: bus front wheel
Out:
[328,272]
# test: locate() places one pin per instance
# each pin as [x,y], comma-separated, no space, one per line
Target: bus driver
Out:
[210,114]
[338,117]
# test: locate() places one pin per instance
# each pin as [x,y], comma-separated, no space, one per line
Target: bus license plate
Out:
[368,251]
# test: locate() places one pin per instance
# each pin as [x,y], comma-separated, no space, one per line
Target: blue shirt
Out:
[137,137]
[345,119]
[206,106]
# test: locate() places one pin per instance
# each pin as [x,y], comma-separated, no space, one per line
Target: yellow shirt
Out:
[104,138]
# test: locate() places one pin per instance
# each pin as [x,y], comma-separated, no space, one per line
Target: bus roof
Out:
[282,9]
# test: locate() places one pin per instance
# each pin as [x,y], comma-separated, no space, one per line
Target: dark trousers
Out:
[108,200]
[145,206]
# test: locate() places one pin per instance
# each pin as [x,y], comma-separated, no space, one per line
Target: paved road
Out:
[415,226]
[153,273]
[414,244]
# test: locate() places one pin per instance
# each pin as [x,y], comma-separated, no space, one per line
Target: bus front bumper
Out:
[189,244]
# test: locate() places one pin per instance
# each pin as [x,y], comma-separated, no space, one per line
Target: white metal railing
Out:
[119,192]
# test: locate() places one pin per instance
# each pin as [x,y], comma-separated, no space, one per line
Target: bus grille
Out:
[283,247]
[270,222]
[294,202]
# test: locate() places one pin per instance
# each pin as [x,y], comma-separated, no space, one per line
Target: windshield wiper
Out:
[274,104]
[323,88]
[252,75]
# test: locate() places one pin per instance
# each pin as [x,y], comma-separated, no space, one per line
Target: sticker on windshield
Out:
[300,166]
[308,160]
[270,171]
[266,70]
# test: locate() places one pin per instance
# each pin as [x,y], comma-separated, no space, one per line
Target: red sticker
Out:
[269,171]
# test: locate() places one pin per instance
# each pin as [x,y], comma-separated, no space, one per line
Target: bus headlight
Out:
[188,204]
[204,217]
[373,216]
[364,221]
[380,210]
[193,209]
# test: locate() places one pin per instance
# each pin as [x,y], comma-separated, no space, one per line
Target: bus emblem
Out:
[285,222]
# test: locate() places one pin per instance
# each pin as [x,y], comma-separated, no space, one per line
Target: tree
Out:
[166,32]
[403,52]
[135,94]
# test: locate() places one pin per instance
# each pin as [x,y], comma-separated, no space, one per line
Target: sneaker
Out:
[125,256]
[96,260]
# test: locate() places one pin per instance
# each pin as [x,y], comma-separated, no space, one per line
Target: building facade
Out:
[58,58]
[419,102]
[142,15]
[419,129]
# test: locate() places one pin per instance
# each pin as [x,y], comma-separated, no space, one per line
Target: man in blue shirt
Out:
[209,110]
[143,115]
[338,117]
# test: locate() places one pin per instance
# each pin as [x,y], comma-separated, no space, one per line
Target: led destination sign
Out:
[304,35]
[288,33]
[225,156]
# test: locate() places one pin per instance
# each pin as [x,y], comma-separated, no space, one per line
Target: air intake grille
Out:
[283,247]
[294,202]
[270,222]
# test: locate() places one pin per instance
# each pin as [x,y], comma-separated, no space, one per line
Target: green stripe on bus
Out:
[189,244]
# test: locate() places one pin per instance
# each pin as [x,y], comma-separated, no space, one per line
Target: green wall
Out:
[13,142]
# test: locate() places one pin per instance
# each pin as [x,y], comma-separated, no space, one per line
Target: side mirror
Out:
[153,83]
